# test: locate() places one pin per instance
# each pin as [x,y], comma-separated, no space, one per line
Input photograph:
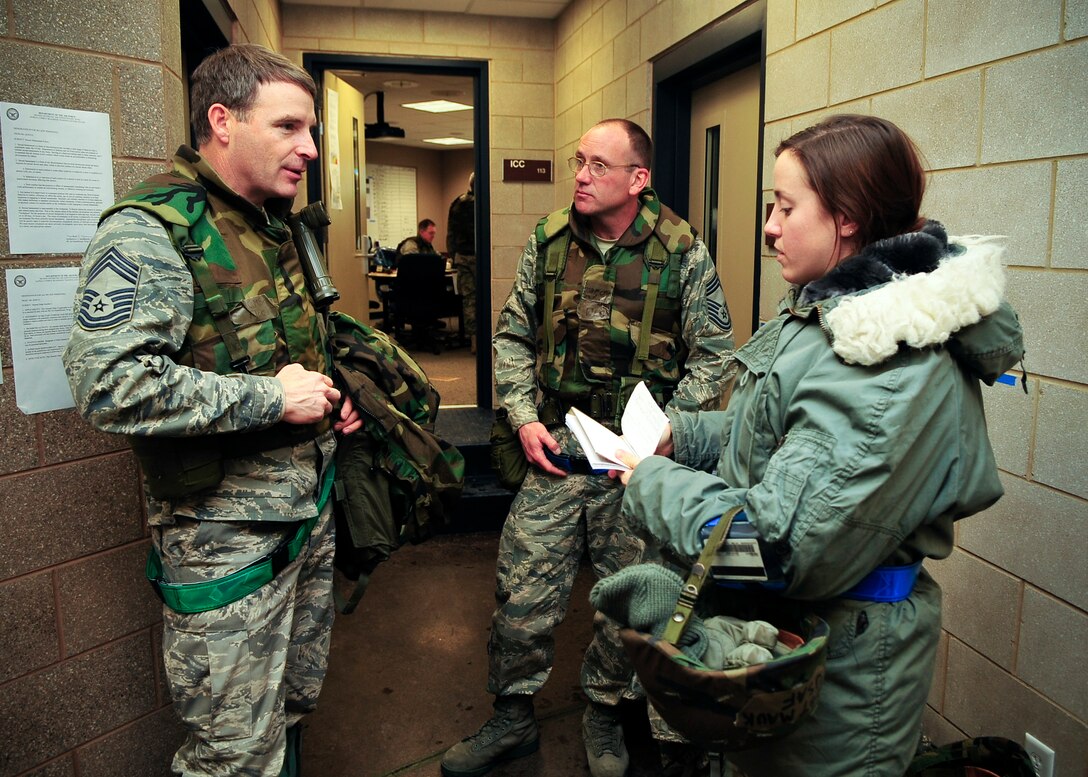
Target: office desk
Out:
[386,276]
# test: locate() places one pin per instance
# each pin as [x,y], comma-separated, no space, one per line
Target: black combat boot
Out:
[510,733]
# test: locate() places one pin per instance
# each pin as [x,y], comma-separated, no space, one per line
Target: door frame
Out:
[735,43]
[316,64]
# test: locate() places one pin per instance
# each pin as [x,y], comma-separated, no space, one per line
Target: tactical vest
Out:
[251,314]
[608,326]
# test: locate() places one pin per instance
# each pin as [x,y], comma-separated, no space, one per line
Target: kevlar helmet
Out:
[729,709]
[732,709]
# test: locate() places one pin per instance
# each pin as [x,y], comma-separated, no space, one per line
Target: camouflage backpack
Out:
[396,481]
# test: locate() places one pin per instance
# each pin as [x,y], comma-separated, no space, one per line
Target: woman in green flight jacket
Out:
[855,435]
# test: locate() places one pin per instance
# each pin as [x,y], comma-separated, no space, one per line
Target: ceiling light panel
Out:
[437,106]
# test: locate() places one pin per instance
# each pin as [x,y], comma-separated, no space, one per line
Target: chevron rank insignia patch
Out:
[110,292]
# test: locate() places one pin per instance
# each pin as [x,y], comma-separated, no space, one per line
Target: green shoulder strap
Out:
[179,203]
[198,266]
[555,259]
[689,594]
[672,237]
[657,259]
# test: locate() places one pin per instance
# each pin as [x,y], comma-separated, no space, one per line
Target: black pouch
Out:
[507,458]
[178,466]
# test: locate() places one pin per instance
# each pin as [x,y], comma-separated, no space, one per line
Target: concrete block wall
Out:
[994,93]
[81,685]
[81,690]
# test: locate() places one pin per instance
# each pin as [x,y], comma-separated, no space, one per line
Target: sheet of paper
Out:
[643,422]
[58,176]
[598,443]
[40,305]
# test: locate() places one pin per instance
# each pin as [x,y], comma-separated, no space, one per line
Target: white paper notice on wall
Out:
[58,176]
[40,304]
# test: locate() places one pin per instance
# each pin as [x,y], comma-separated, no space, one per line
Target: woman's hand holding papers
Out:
[630,460]
[664,448]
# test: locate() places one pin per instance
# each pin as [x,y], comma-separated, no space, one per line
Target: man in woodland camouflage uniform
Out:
[461,245]
[195,336]
[422,242]
[615,290]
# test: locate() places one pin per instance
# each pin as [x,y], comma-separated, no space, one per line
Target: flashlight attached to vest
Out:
[313,217]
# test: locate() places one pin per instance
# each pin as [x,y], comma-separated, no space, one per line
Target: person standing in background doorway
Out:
[461,245]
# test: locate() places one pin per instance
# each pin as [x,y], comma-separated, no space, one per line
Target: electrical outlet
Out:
[1042,757]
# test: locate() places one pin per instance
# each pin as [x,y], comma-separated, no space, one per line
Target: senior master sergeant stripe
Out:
[110,292]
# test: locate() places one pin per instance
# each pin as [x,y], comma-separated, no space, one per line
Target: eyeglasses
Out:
[596,169]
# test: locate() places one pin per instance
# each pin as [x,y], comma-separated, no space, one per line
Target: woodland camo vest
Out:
[599,308]
[251,312]
[255,272]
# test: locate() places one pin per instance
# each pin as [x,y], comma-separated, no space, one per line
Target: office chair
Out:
[420,298]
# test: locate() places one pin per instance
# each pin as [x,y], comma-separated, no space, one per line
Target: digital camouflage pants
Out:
[465,266]
[551,523]
[241,674]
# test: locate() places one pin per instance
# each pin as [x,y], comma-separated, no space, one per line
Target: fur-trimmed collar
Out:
[908,254]
[919,289]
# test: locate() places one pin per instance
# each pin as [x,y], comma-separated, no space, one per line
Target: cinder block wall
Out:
[81,687]
[80,683]
[995,94]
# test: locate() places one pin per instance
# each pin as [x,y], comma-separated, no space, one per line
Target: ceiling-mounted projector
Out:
[381,128]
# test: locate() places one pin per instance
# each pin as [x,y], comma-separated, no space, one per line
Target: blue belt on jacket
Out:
[886,584]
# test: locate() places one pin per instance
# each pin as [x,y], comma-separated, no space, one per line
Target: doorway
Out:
[708,130]
[724,138]
[376,152]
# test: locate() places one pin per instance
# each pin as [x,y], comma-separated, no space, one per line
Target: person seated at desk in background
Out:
[419,243]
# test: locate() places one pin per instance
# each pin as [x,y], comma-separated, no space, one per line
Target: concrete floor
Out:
[408,673]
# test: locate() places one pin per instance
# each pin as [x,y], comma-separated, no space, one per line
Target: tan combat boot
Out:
[603,735]
[510,733]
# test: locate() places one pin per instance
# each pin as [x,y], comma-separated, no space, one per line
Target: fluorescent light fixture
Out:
[437,106]
[448,141]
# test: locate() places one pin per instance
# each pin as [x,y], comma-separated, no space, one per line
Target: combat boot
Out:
[683,759]
[510,733]
[603,735]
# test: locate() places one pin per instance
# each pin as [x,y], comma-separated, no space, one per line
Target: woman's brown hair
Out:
[865,168]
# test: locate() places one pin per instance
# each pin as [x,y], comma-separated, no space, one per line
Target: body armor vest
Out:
[248,275]
[252,314]
[608,324]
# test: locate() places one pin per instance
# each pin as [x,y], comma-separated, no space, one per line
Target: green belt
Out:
[210,594]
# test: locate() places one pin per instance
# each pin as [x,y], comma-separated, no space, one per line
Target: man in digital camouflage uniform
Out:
[615,290]
[213,361]
[461,246]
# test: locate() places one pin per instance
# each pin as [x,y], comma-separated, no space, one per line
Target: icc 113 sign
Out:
[538,170]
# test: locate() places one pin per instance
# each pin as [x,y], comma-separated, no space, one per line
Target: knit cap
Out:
[644,597]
